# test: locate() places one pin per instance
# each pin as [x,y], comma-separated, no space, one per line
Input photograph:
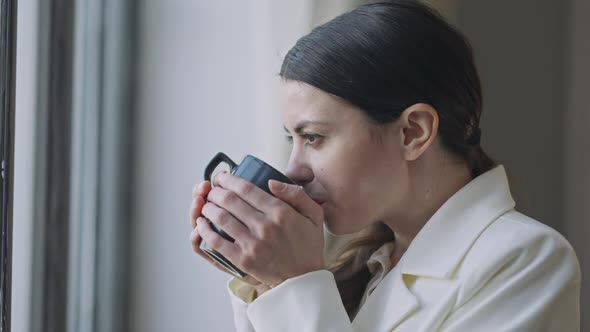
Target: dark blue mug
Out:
[253,170]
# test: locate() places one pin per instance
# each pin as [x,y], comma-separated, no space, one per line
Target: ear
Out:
[419,125]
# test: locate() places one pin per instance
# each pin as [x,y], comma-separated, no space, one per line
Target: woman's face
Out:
[353,168]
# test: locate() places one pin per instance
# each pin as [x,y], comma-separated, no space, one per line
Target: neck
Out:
[431,186]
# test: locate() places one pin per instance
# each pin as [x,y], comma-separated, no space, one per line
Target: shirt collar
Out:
[380,260]
[441,244]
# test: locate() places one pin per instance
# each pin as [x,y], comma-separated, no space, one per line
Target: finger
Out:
[226,221]
[196,239]
[296,197]
[228,249]
[236,206]
[201,189]
[195,210]
[250,280]
[250,193]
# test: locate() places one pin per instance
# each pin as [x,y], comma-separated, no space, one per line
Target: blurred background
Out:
[120,104]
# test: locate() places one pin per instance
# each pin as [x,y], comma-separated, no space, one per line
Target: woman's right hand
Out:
[200,193]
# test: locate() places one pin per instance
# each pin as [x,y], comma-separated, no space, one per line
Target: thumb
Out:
[295,196]
[277,187]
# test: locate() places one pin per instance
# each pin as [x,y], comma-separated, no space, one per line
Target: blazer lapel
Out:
[389,304]
[437,250]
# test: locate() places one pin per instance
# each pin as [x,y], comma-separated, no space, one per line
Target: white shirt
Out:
[379,264]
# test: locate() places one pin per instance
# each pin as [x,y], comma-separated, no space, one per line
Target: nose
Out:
[299,169]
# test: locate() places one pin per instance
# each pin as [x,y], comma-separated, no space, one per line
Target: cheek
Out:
[351,186]
[361,187]
[335,175]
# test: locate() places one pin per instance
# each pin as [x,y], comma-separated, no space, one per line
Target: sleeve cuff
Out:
[306,303]
[243,290]
[239,295]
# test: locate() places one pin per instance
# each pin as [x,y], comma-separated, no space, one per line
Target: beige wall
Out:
[207,83]
[577,142]
[534,61]
[522,62]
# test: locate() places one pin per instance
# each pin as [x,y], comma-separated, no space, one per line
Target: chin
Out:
[335,229]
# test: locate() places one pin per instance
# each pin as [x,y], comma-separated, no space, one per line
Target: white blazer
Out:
[477,265]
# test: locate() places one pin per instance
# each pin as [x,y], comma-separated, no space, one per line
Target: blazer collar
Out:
[445,239]
[437,249]
[390,303]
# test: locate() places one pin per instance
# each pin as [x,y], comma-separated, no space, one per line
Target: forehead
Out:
[302,102]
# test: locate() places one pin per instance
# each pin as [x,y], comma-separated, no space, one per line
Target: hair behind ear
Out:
[479,161]
[350,269]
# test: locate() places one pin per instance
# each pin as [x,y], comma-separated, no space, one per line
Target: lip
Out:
[316,197]
[319,201]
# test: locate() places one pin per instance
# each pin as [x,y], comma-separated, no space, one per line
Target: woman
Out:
[382,106]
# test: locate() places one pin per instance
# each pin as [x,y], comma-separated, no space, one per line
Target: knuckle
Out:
[245,188]
[276,204]
[194,237]
[212,194]
[252,253]
[281,215]
[228,197]
[268,231]
[215,242]
[247,262]
[257,249]
[218,177]
[210,210]
[223,218]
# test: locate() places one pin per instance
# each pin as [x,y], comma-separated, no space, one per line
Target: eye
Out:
[289,139]
[311,139]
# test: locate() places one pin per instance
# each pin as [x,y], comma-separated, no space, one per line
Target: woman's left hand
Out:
[276,237]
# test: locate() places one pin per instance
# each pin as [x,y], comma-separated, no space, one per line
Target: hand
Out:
[276,237]
[200,193]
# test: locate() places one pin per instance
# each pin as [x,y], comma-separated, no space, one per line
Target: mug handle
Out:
[218,159]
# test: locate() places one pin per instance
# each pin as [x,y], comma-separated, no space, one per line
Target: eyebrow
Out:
[301,125]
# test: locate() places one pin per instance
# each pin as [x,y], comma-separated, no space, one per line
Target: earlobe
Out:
[419,128]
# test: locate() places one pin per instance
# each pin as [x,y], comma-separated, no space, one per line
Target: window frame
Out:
[8,11]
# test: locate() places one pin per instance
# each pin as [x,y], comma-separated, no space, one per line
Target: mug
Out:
[253,170]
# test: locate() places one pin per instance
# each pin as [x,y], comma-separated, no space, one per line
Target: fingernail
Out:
[216,178]
[277,184]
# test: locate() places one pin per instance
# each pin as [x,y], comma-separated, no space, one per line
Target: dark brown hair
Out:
[383,58]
